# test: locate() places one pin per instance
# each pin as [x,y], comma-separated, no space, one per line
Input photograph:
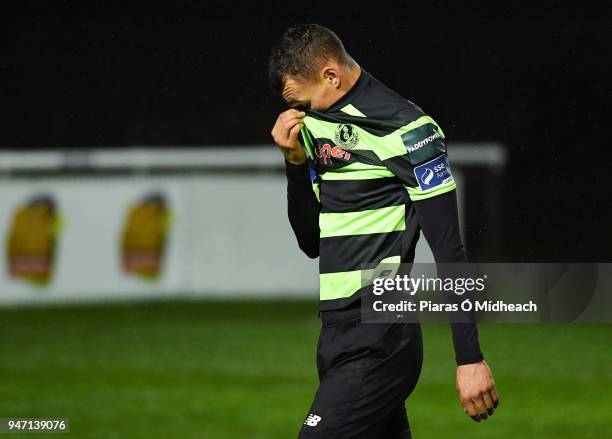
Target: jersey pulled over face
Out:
[371,155]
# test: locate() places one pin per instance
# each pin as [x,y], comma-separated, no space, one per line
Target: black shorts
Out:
[366,372]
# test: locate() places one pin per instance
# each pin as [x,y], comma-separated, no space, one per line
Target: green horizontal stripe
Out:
[317,190]
[392,144]
[307,142]
[357,171]
[339,285]
[385,147]
[383,220]
[417,194]
[346,283]
[350,109]
[320,128]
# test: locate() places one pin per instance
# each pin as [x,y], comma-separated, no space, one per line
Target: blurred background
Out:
[150,285]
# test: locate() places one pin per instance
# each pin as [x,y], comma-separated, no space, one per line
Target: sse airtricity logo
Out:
[427,176]
[312,420]
[433,173]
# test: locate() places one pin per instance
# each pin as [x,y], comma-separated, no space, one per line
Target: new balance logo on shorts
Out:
[312,420]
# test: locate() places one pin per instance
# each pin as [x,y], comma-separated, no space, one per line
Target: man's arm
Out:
[419,160]
[439,221]
[302,204]
[303,208]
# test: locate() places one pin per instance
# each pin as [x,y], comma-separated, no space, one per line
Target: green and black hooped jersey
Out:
[371,155]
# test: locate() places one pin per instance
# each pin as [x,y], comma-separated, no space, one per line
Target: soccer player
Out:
[359,161]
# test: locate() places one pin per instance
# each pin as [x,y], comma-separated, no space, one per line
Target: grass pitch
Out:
[246,369]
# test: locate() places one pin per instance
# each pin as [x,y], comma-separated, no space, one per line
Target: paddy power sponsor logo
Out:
[423,143]
[144,237]
[32,240]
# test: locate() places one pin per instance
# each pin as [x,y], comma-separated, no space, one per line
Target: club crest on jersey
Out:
[346,136]
[327,152]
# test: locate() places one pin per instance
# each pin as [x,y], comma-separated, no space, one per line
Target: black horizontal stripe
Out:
[385,110]
[400,165]
[328,305]
[339,196]
[348,253]
[323,164]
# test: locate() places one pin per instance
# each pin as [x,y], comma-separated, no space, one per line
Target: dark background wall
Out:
[535,79]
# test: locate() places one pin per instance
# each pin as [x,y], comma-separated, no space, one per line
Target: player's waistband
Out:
[335,316]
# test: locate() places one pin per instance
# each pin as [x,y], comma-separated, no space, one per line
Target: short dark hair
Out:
[301,51]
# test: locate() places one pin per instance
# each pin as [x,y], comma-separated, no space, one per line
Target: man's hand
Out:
[285,134]
[477,390]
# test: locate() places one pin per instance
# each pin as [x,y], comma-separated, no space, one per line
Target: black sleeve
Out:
[303,208]
[439,221]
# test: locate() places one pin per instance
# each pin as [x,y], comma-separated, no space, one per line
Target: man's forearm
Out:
[439,221]
[303,208]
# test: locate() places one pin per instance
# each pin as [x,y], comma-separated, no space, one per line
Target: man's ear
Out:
[330,75]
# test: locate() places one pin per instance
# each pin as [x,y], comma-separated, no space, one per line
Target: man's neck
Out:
[348,81]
